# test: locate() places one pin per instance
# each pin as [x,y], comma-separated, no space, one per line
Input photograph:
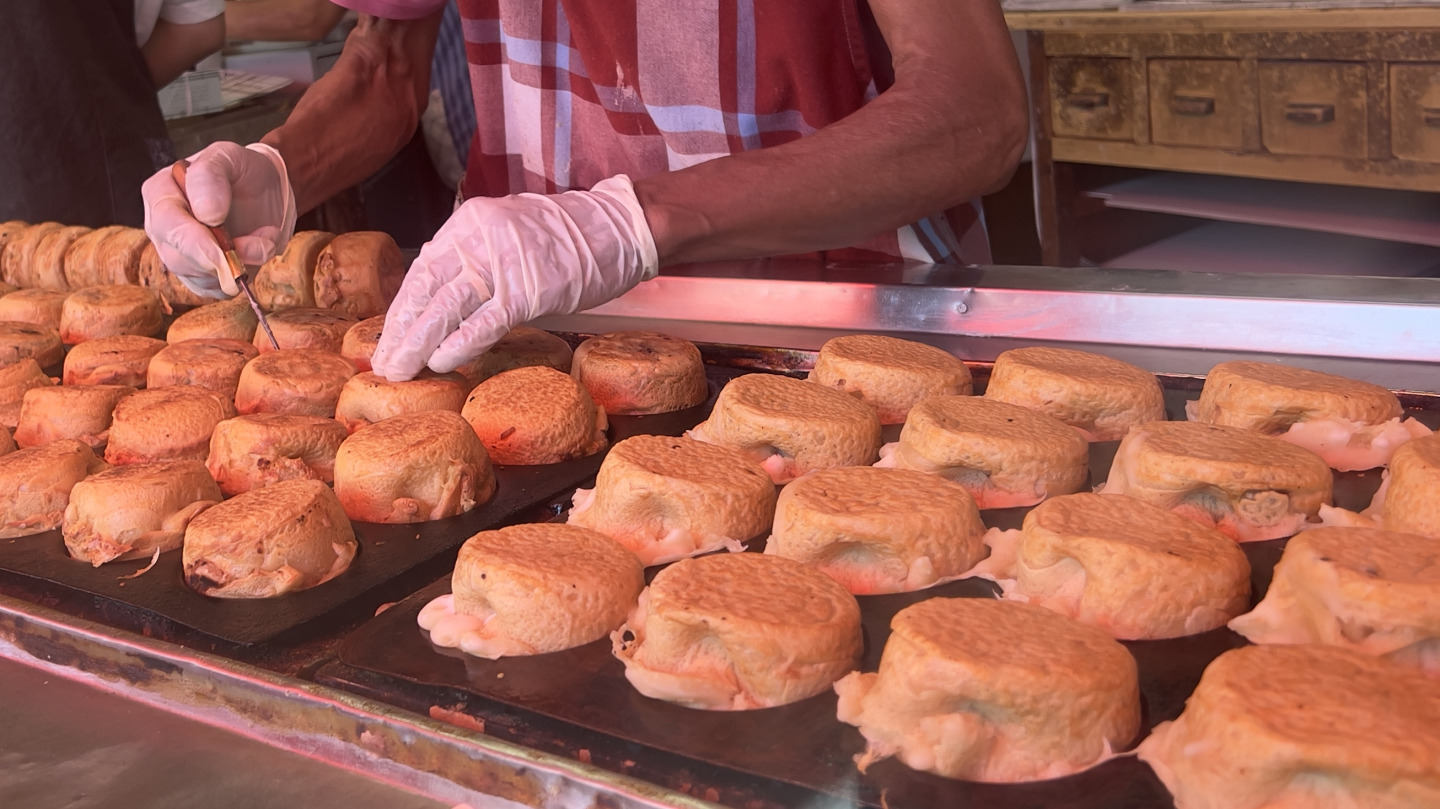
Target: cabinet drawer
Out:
[1415,112]
[1090,98]
[1197,102]
[1313,108]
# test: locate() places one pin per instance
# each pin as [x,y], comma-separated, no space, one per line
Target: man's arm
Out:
[362,112]
[952,128]
[174,48]
[284,20]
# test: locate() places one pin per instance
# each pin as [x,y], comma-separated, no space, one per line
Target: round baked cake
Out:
[993,691]
[535,415]
[1100,396]
[533,589]
[891,374]
[637,373]
[792,427]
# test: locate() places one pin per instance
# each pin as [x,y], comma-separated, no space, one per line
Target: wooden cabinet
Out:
[1343,97]
[1200,102]
[1092,98]
[1314,108]
[1415,112]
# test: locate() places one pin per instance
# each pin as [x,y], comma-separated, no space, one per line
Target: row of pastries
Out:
[1034,684]
[1031,685]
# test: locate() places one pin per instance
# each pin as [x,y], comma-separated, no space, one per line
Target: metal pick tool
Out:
[237,267]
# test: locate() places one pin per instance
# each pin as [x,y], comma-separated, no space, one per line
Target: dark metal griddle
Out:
[570,699]
[389,556]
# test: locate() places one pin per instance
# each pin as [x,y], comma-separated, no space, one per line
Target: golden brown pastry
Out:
[1003,454]
[1100,396]
[287,281]
[993,691]
[248,452]
[1250,486]
[521,347]
[535,415]
[35,485]
[891,374]
[15,381]
[737,631]
[359,274]
[290,536]
[293,380]
[82,412]
[1351,424]
[24,341]
[154,276]
[7,443]
[368,398]
[1411,502]
[1135,570]
[8,231]
[19,254]
[42,307]
[413,467]
[360,340]
[47,264]
[1374,591]
[533,589]
[213,363]
[792,427]
[317,329]
[130,512]
[636,373]
[232,319]
[1302,726]
[668,498]
[120,256]
[109,311]
[120,360]
[83,265]
[163,424]
[878,530]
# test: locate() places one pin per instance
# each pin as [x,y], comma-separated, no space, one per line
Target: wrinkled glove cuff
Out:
[621,190]
[287,221]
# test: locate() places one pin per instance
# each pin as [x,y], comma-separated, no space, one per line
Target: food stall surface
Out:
[67,744]
[308,691]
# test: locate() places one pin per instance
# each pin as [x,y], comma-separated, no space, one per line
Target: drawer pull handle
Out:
[1087,101]
[1312,114]
[1197,106]
[1431,116]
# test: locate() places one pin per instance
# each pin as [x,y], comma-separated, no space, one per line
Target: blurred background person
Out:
[79,119]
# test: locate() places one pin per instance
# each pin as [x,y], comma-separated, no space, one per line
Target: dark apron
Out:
[80,128]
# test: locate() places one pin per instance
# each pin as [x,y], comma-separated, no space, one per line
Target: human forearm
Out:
[173,48]
[356,117]
[300,20]
[950,129]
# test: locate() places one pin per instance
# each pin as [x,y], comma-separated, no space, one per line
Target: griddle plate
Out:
[386,552]
[800,744]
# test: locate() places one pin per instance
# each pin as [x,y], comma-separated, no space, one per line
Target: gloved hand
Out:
[245,188]
[501,262]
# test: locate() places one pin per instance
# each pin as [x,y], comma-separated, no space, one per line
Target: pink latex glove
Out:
[504,261]
[245,188]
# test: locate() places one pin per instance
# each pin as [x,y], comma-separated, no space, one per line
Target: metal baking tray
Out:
[780,756]
[158,600]
[144,722]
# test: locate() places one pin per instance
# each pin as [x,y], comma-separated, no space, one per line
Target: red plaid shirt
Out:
[569,92]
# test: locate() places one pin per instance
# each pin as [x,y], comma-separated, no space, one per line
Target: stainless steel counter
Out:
[1375,329]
